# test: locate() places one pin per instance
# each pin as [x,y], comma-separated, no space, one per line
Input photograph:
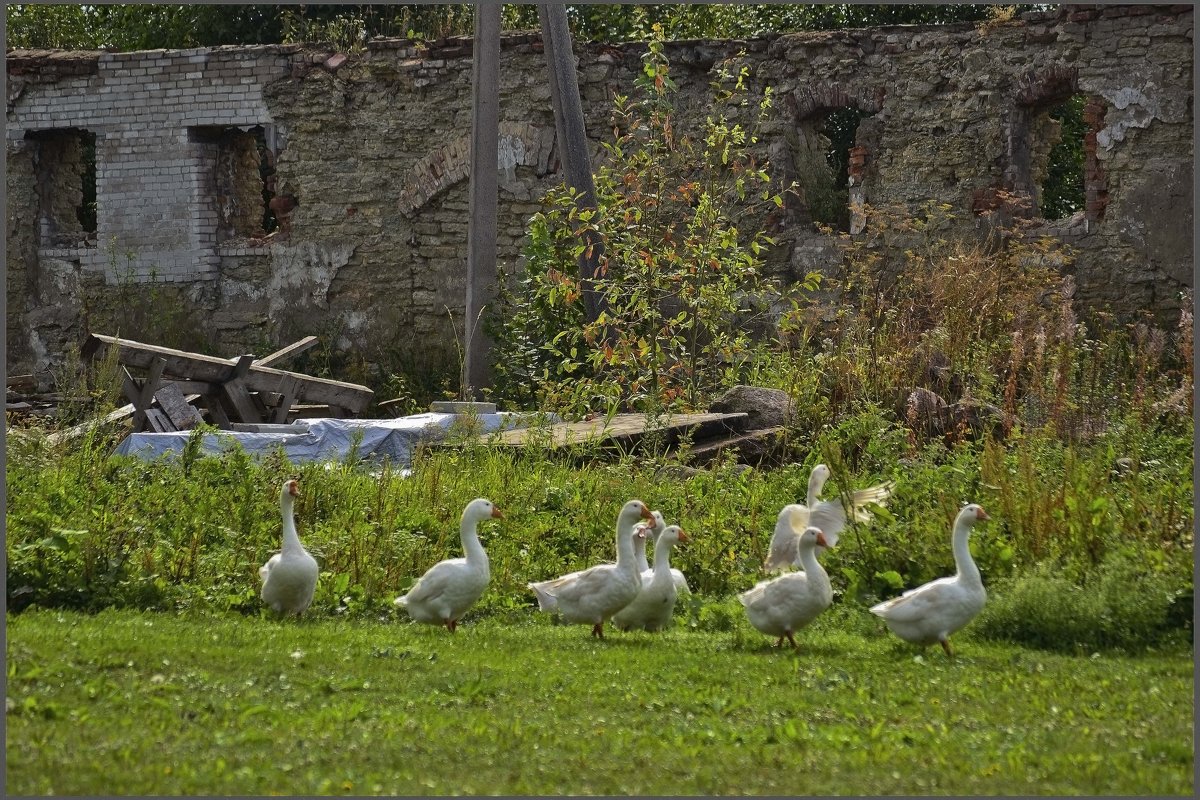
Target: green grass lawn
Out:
[151,703]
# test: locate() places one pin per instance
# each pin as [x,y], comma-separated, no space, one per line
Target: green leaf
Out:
[891,578]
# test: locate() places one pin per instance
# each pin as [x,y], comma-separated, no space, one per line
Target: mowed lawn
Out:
[152,703]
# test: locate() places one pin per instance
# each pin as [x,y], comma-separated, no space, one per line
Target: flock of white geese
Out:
[636,596]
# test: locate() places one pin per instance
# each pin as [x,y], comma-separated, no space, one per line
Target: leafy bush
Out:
[679,288]
[1126,604]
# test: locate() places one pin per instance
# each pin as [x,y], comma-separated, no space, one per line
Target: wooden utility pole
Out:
[481,227]
[572,139]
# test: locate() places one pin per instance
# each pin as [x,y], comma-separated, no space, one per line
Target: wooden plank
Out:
[287,395]
[309,411]
[706,451]
[216,411]
[235,396]
[623,427]
[195,366]
[394,406]
[177,407]
[187,387]
[119,415]
[241,365]
[291,351]
[20,383]
[157,421]
[267,427]
[142,395]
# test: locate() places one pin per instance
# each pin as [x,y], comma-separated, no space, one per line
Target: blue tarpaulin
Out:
[326,439]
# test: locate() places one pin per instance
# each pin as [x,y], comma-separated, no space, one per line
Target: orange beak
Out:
[646,514]
[496,513]
[821,539]
[982,514]
[294,488]
[683,537]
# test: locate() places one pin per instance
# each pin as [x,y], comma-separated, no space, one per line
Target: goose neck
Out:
[625,556]
[639,554]
[291,539]
[817,577]
[815,484]
[967,570]
[468,534]
[662,557]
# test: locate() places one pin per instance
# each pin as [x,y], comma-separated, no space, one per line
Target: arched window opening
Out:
[1055,166]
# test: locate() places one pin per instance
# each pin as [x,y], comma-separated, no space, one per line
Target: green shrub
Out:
[1125,605]
[679,218]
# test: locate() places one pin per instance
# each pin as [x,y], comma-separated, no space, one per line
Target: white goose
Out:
[447,589]
[653,529]
[930,613]
[651,610]
[828,515]
[594,595]
[289,577]
[783,605]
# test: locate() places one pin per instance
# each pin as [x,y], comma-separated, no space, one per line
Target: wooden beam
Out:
[20,383]
[287,396]
[199,367]
[241,365]
[626,428]
[572,141]
[291,351]
[177,407]
[481,227]
[142,396]
[158,421]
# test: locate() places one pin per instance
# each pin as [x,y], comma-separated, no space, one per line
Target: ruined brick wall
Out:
[368,158]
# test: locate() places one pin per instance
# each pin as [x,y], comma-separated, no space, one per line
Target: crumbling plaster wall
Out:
[372,160]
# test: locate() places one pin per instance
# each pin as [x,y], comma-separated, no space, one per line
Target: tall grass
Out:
[1075,434]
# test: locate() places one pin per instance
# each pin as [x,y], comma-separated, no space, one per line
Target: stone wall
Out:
[367,158]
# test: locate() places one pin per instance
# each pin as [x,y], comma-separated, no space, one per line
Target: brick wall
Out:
[370,163]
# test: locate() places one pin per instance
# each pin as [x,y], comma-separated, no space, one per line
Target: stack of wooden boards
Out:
[175,390]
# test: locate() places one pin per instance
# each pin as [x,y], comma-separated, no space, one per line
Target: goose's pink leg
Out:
[598,630]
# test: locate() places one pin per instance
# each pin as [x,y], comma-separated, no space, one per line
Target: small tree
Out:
[681,275]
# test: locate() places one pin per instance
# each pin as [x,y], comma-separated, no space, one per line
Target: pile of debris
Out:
[22,398]
[175,390]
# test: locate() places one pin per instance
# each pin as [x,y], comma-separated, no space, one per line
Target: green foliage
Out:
[679,281]
[154,310]
[141,27]
[612,22]
[1128,603]
[1062,189]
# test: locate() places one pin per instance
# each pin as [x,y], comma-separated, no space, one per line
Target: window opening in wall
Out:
[65,168]
[841,126]
[1062,188]
[241,180]
[827,156]
[266,170]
